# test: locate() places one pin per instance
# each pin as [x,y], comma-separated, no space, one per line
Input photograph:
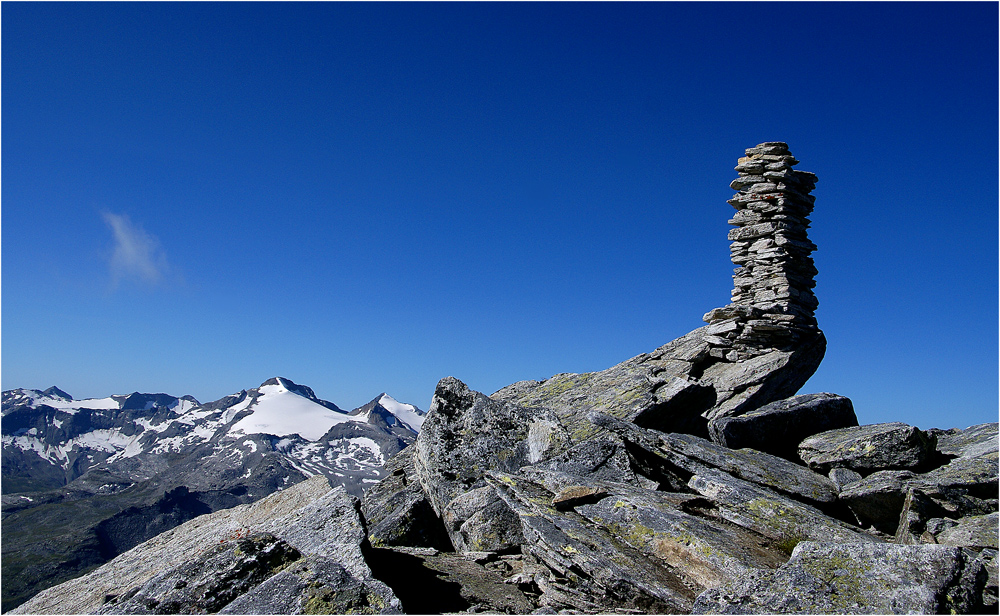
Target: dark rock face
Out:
[779,427]
[397,511]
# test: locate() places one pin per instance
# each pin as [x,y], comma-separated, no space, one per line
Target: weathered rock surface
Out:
[779,427]
[866,449]
[310,518]
[682,455]
[586,567]
[770,514]
[676,388]
[210,581]
[971,442]
[466,434]
[860,578]
[480,521]
[843,477]
[976,531]
[963,487]
[312,585]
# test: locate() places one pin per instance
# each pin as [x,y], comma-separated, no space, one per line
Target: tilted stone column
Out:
[772,301]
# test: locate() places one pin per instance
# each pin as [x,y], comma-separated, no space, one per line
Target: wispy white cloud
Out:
[137,255]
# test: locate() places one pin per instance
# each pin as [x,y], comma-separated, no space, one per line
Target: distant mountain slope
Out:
[84,480]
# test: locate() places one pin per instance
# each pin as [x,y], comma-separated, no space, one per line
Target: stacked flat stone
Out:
[772,301]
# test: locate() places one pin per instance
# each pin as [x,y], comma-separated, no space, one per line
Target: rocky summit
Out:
[690,479]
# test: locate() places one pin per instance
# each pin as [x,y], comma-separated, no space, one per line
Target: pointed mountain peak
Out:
[284,384]
[55,392]
[406,413]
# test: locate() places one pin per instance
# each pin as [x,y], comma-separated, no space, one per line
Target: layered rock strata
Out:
[772,301]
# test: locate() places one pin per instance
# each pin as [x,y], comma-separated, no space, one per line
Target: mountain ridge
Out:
[127,466]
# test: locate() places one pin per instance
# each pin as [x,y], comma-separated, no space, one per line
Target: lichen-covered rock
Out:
[312,585]
[586,567]
[974,477]
[678,387]
[777,428]
[661,525]
[466,434]
[862,578]
[764,511]
[976,531]
[963,487]
[310,517]
[602,457]
[681,455]
[870,448]
[971,442]
[210,581]
[397,511]
[480,521]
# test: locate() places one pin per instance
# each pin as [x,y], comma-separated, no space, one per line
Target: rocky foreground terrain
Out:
[691,479]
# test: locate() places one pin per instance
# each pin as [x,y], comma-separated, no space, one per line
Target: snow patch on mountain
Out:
[37,398]
[100,440]
[281,412]
[406,413]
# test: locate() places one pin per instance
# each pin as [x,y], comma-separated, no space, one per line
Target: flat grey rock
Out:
[862,578]
[310,517]
[968,443]
[887,446]
[682,455]
[843,477]
[978,531]
[766,512]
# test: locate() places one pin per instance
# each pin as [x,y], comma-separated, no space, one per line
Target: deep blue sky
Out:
[370,197]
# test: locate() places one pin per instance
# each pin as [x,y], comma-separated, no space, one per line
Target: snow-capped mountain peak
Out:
[281,408]
[407,413]
[60,439]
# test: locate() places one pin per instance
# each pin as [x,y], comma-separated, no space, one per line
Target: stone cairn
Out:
[772,301]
